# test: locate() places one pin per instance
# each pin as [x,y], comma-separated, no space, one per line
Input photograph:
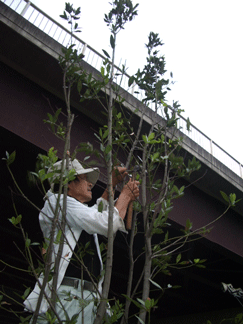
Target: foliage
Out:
[157,152]
[238,319]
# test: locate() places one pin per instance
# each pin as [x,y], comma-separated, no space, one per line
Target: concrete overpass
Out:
[31,82]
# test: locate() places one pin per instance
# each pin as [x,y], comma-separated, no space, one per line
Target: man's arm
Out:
[129,193]
[118,175]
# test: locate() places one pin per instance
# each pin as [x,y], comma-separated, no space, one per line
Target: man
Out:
[75,295]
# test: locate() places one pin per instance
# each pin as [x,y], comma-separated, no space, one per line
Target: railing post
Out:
[211,146]
[25,8]
[84,49]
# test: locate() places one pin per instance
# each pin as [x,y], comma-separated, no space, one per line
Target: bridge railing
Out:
[55,30]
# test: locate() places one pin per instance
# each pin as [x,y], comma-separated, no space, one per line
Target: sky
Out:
[202,47]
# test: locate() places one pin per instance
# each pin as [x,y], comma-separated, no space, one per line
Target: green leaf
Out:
[181,191]
[151,137]
[78,11]
[166,237]
[64,16]
[184,262]
[106,54]
[27,242]
[165,157]
[188,225]
[42,174]
[178,258]
[87,245]
[226,198]
[145,138]
[68,7]
[232,198]
[100,207]
[148,303]
[102,71]
[10,158]
[97,136]
[112,42]
[141,301]
[35,243]
[140,320]
[155,284]
[239,318]
[15,220]
[105,134]
[74,318]
[155,156]
[131,80]
[58,237]
[108,149]
[70,176]
[102,148]
[26,293]
[133,301]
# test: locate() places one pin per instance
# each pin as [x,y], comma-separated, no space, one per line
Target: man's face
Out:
[80,190]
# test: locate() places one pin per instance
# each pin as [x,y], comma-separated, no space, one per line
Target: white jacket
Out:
[78,217]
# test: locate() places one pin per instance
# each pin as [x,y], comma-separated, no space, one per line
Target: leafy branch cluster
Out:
[157,154]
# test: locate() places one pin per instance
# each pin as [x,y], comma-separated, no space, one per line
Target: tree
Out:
[155,151]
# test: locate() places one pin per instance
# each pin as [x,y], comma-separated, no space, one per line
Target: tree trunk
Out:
[109,260]
[147,274]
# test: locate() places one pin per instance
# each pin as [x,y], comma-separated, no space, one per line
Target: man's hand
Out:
[131,190]
[118,175]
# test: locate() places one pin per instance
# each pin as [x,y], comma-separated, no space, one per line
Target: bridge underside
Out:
[200,294]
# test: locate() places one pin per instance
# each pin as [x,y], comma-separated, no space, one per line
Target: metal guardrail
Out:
[55,30]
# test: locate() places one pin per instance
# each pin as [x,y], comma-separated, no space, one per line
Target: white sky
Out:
[203,47]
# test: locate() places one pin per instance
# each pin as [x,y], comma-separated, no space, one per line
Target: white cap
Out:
[91,173]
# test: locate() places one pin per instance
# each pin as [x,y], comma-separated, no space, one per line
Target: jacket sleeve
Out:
[93,219]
